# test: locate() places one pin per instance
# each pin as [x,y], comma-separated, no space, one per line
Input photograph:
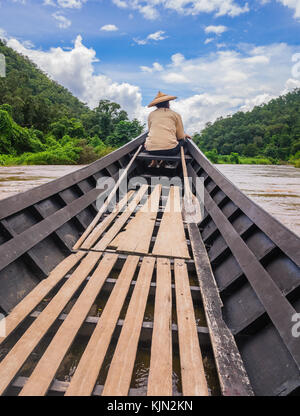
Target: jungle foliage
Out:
[269,132]
[41,122]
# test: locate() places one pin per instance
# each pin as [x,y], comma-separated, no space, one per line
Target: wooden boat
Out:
[239,266]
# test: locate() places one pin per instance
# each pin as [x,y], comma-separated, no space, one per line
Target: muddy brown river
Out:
[275,188]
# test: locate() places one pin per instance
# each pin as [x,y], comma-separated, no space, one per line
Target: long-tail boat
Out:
[116,299]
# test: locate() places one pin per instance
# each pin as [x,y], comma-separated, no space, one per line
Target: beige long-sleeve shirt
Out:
[165,129]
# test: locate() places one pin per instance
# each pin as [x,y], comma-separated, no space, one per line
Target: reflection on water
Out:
[275,188]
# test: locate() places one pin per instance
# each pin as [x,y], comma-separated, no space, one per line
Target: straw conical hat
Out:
[160,98]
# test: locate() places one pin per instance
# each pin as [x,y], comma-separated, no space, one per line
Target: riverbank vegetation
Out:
[41,122]
[268,134]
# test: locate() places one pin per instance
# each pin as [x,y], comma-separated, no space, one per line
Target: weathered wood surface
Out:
[16,357]
[160,373]
[41,378]
[192,370]
[106,203]
[119,223]
[121,367]
[105,223]
[171,240]
[137,235]
[20,312]
[232,375]
[85,376]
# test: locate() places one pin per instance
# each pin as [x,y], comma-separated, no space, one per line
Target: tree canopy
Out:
[37,115]
[271,130]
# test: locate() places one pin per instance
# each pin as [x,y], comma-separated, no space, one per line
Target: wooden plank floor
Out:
[171,240]
[88,273]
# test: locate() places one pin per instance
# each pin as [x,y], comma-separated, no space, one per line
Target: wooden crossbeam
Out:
[85,377]
[16,357]
[121,368]
[138,233]
[29,303]
[192,370]
[171,240]
[160,373]
[41,378]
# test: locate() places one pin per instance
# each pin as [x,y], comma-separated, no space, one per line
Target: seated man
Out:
[166,133]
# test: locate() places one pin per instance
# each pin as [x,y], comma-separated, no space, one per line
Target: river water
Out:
[275,188]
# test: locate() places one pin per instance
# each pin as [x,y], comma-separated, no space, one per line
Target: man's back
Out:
[165,129]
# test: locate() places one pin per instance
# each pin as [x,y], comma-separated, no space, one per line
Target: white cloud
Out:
[292,4]
[213,85]
[155,67]
[208,40]
[218,30]
[109,28]
[174,78]
[63,22]
[74,70]
[66,4]
[149,8]
[159,35]
[225,81]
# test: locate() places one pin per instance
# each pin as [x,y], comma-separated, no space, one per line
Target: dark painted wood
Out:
[277,232]
[20,244]
[275,303]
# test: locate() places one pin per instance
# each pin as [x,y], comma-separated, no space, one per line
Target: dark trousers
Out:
[168,152]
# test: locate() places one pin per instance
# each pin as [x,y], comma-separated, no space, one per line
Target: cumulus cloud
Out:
[218,30]
[226,81]
[74,70]
[63,22]
[109,28]
[208,40]
[149,8]
[155,67]
[159,35]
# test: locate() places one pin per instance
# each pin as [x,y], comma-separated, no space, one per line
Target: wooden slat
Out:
[41,378]
[232,375]
[120,370]
[27,305]
[85,377]
[106,203]
[171,240]
[13,361]
[160,373]
[137,235]
[100,228]
[119,223]
[191,363]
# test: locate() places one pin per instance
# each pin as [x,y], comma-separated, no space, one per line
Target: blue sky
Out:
[217,56]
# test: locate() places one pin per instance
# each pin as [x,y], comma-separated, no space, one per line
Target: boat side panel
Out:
[270,365]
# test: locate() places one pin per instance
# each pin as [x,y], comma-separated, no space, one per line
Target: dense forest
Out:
[270,133]
[41,122]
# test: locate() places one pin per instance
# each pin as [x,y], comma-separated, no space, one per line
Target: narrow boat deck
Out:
[146,304]
[144,243]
